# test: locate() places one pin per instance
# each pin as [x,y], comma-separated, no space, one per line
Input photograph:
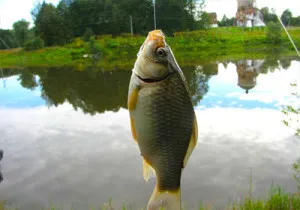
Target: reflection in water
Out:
[84,160]
[96,92]
[247,71]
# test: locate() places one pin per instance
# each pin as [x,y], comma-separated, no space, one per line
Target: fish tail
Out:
[165,200]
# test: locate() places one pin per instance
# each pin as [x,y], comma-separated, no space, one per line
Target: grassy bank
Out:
[188,47]
[277,199]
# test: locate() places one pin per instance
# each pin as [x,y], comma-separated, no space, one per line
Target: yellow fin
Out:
[166,200]
[133,99]
[148,171]
[193,142]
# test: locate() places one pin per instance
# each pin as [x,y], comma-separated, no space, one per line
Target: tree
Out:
[21,32]
[286,17]
[174,16]
[295,21]
[7,39]
[268,16]
[265,13]
[49,25]
[226,21]
[87,34]
[204,22]
[273,33]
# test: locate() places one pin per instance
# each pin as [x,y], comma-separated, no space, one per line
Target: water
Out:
[66,135]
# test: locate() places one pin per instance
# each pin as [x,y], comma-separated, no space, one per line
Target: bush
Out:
[34,44]
[273,33]
[87,34]
[78,43]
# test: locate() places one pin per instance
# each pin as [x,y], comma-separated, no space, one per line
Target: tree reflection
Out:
[197,78]
[94,91]
[28,80]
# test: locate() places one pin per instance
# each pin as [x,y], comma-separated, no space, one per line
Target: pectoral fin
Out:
[193,142]
[132,100]
[148,171]
[133,131]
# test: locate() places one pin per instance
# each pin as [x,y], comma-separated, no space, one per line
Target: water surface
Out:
[67,140]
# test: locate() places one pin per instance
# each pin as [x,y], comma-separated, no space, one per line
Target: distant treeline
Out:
[59,25]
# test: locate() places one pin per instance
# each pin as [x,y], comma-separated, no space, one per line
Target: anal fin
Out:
[148,171]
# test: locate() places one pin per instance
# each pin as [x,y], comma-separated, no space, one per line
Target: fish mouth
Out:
[154,80]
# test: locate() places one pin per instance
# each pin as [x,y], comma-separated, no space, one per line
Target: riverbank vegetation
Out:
[188,47]
[277,199]
[73,32]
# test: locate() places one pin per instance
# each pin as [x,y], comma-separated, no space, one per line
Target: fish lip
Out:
[148,80]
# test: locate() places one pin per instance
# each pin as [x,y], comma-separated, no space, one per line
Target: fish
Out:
[162,119]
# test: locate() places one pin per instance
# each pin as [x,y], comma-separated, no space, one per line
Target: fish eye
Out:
[160,52]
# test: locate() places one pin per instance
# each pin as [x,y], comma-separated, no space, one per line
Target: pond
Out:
[66,135]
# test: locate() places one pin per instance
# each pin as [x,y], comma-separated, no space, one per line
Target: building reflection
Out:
[247,71]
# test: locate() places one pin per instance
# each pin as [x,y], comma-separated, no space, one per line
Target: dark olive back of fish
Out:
[163,120]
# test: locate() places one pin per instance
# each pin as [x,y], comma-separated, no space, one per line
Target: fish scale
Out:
[163,110]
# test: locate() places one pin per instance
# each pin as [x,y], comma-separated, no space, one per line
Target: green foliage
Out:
[21,32]
[273,33]
[7,39]
[293,112]
[87,34]
[50,25]
[188,47]
[226,21]
[78,43]
[268,16]
[204,22]
[286,17]
[34,44]
[276,200]
[296,167]
[94,48]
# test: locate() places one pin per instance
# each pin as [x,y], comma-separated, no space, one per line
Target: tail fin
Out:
[164,200]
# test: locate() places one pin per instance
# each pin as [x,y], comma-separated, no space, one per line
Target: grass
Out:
[277,199]
[188,47]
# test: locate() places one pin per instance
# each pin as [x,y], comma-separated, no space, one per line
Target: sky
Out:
[14,10]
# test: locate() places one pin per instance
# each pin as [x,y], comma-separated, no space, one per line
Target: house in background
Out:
[213,21]
[248,15]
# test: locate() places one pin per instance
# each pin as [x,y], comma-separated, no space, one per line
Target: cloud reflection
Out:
[79,152]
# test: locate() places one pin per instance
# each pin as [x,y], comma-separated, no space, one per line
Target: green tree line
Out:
[60,24]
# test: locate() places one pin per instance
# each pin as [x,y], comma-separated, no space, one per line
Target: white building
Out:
[247,14]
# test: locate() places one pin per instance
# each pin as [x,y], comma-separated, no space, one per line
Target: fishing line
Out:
[287,33]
